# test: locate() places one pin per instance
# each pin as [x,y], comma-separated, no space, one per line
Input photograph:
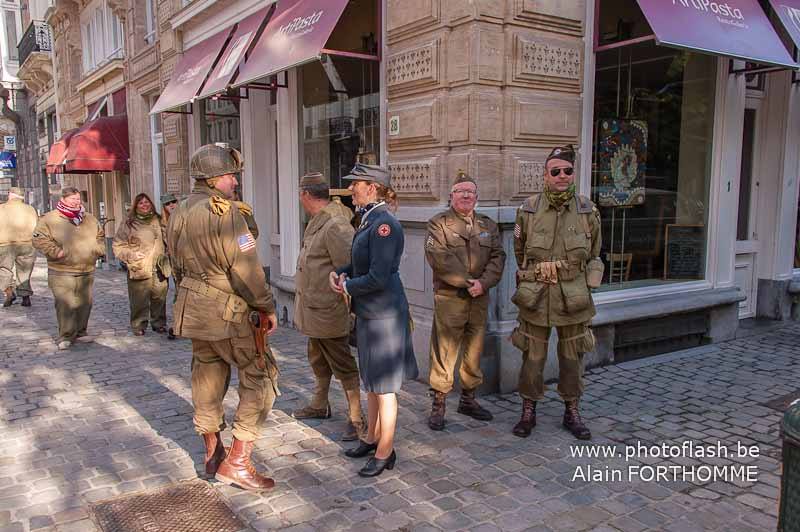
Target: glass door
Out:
[747,244]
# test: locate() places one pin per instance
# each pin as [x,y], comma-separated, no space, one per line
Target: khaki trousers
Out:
[211,372]
[573,342]
[331,357]
[148,300]
[23,256]
[73,297]
[458,324]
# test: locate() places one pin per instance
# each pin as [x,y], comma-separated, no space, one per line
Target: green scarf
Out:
[145,218]
[557,199]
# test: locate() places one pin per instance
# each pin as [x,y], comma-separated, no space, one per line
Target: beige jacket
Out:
[82,244]
[219,275]
[17,222]
[140,237]
[319,312]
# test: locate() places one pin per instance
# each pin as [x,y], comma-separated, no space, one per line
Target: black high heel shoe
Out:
[362,450]
[375,466]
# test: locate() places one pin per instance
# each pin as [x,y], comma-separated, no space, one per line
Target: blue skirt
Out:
[385,353]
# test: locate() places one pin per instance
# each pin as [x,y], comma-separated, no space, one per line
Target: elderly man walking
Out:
[17,223]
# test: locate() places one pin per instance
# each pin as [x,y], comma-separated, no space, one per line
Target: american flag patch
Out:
[517,231]
[246,242]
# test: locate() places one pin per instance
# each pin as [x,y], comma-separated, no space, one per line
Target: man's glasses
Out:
[466,193]
[170,203]
[567,171]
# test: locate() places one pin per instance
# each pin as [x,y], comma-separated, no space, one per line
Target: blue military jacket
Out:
[373,274]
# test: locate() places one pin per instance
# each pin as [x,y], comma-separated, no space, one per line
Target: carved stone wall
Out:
[487,86]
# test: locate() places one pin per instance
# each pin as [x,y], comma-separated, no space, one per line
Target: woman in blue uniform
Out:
[383,329]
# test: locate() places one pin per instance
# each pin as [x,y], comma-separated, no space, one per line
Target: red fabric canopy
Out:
[58,151]
[99,146]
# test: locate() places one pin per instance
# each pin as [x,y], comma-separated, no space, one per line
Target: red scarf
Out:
[74,215]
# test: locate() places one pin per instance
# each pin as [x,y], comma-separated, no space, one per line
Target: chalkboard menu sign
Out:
[684,252]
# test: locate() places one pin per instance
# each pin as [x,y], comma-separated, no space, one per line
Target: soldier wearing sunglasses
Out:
[556,242]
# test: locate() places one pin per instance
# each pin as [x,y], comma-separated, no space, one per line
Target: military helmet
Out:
[214,160]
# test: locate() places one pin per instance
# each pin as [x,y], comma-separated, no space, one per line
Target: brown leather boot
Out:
[354,431]
[26,301]
[238,471]
[527,421]
[468,406]
[436,420]
[573,422]
[215,452]
[10,297]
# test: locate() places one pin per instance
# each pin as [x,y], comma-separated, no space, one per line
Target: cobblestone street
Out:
[114,417]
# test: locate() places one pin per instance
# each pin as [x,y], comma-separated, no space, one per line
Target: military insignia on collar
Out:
[384,230]
[517,231]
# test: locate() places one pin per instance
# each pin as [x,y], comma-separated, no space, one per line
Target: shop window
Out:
[651,165]
[220,122]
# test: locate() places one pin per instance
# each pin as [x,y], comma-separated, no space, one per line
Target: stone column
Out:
[487,86]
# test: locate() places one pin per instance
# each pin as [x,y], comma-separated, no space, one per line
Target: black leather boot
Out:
[468,406]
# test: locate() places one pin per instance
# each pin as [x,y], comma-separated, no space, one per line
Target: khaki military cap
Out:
[371,173]
[562,153]
[313,179]
[462,177]
[168,198]
[214,160]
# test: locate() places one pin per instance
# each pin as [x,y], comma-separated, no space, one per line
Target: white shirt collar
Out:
[364,218]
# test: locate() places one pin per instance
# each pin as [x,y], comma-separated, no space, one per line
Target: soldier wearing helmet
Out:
[221,285]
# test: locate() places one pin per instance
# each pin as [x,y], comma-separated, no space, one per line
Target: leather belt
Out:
[205,289]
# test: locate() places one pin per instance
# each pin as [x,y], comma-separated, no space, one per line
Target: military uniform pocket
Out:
[235,309]
[576,294]
[519,340]
[528,295]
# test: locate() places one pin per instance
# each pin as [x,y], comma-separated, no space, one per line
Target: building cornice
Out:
[101,73]
[190,11]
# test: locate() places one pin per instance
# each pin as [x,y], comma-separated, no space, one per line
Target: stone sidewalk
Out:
[114,417]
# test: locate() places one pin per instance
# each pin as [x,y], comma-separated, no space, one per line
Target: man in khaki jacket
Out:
[465,251]
[72,240]
[17,223]
[320,313]
[221,288]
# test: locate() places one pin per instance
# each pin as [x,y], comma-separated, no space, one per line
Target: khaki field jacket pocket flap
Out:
[529,294]
[576,293]
[540,241]
[235,309]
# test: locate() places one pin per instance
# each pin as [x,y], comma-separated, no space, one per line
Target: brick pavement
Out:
[114,417]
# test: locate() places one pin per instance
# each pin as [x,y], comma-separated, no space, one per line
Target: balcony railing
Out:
[37,38]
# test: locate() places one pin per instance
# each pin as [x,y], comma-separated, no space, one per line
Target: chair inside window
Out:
[619,266]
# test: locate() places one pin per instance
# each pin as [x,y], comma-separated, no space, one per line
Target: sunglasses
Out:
[170,203]
[567,171]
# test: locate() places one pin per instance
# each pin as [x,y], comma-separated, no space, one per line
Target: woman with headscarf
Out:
[383,322]
[139,244]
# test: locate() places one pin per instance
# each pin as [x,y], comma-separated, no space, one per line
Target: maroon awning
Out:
[99,146]
[737,28]
[191,72]
[240,42]
[58,151]
[295,35]
[789,14]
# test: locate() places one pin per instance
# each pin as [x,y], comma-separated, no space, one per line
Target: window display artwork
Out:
[621,162]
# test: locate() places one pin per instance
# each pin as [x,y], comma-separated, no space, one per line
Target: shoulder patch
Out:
[246,242]
[219,206]
[384,230]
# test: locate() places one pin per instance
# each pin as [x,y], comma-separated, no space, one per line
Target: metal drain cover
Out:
[782,403]
[189,507]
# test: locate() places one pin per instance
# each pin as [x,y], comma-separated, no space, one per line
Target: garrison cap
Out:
[462,177]
[562,153]
[313,179]
[168,198]
[214,160]
[371,173]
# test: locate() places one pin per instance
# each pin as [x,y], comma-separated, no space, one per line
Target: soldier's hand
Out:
[273,323]
[335,282]
[60,254]
[475,288]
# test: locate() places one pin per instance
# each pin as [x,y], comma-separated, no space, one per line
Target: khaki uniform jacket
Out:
[567,235]
[319,311]
[140,237]
[217,269]
[82,244]
[17,222]
[455,254]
